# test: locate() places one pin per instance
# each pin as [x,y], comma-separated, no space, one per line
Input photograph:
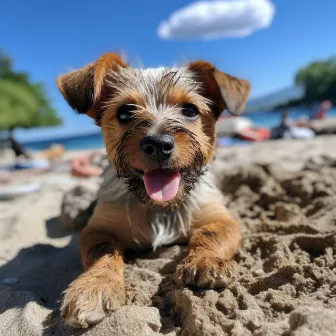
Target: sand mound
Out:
[285,285]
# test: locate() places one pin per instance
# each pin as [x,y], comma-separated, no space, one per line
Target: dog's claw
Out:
[182,271]
[204,271]
[213,272]
[108,305]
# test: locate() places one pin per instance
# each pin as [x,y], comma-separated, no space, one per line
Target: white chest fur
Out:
[157,227]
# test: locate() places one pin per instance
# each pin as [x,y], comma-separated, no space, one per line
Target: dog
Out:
[159,129]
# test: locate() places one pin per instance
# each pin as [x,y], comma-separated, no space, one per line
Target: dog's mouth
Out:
[161,185]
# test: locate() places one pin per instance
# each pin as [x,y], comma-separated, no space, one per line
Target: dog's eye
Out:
[125,113]
[190,111]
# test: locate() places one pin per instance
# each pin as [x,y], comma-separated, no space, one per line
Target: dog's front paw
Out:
[90,298]
[204,271]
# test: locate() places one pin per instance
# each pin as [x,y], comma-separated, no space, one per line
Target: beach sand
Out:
[283,194]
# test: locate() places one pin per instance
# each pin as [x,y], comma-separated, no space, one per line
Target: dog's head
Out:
[158,124]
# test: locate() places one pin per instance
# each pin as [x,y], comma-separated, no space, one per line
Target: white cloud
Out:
[216,19]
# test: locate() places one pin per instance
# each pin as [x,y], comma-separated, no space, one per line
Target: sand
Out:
[284,195]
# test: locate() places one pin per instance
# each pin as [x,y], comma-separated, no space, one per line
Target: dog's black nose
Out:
[160,146]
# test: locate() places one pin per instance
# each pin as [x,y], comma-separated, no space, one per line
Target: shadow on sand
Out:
[42,272]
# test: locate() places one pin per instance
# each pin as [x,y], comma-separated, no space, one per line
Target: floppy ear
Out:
[225,91]
[83,88]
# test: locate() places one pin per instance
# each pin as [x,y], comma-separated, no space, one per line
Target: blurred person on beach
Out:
[322,111]
[280,131]
[289,130]
[320,114]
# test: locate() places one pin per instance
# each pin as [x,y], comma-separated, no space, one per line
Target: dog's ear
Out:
[225,91]
[82,89]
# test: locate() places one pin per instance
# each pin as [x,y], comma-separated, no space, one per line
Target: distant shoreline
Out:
[62,138]
[89,141]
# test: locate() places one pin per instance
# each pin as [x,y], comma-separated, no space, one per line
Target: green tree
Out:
[318,81]
[23,103]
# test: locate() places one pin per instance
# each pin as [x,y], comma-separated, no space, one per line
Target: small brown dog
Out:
[159,130]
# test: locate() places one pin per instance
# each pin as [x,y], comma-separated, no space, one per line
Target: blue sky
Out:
[48,38]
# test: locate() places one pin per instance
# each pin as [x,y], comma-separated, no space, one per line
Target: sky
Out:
[263,41]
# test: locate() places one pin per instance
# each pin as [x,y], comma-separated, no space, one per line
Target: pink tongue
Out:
[161,185]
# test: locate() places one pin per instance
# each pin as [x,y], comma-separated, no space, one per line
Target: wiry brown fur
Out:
[125,215]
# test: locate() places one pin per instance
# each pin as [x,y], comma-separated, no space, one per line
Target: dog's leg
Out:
[212,244]
[100,289]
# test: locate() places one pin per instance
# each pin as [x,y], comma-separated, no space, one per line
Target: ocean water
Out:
[82,142]
[272,119]
[95,141]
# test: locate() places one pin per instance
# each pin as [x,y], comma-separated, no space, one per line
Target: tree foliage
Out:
[318,80]
[23,103]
